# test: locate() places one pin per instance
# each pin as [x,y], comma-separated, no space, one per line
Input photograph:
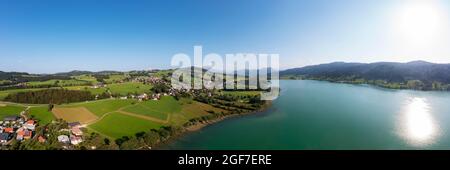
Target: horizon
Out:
[50,36]
[96,71]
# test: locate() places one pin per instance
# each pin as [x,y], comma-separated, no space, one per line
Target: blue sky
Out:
[49,36]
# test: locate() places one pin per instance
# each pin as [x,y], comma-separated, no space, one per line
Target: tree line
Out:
[53,96]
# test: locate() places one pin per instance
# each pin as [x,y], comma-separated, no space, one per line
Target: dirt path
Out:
[120,110]
[145,117]
[23,113]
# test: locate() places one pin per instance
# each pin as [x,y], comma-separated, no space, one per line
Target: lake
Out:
[323,115]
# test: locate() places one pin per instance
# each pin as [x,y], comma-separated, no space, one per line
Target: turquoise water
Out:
[322,115]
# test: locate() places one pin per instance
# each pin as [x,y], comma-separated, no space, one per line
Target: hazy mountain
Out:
[390,72]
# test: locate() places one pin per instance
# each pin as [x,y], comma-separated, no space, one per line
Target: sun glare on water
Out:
[418,125]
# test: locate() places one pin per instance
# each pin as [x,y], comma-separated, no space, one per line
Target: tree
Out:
[151,138]
[50,107]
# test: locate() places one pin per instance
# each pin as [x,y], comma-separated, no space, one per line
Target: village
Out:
[21,128]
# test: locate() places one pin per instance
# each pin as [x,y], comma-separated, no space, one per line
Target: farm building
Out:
[30,124]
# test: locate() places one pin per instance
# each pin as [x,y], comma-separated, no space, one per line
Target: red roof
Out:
[41,139]
[30,122]
[9,130]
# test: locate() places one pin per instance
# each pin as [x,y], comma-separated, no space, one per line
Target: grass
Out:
[142,110]
[114,78]
[4,81]
[156,108]
[74,114]
[101,107]
[87,88]
[42,114]
[9,110]
[40,83]
[88,78]
[72,82]
[192,110]
[167,104]
[117,125]
[129,87]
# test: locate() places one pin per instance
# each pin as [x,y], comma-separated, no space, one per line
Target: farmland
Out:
[87,88]
[129,88]
[10,110]
[42,114]
[55,82]
[74,114]
[101,107]
[117,108]
[116,125]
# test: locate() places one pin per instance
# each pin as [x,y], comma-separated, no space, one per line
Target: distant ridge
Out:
[415,74]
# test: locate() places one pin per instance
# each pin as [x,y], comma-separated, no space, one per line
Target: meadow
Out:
[93,91]
[117,125]
[102,107]
[129,88]
[74,114]
[41,114]
[10,110]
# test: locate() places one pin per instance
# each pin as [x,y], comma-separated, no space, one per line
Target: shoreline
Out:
[200,126]
[369,84]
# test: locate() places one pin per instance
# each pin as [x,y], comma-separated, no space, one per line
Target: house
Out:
[74,124]
[20,133]
[75,140]
[4,137]
[10,118]
[76,131]
[63,139]
[8,130]
[143,96]
[23,134]
[30,124]
[42,139]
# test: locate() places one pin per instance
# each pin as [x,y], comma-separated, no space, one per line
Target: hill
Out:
[419,75]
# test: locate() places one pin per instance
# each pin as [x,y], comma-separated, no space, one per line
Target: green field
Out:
[129,88]
[87,88]
[101,107]
[159,109]
[41,114]
[142,110]
[191,110]
[114,78]
[88,78]
[41,83]
[117,125]
[72,82]
[167,104]
[10,110]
